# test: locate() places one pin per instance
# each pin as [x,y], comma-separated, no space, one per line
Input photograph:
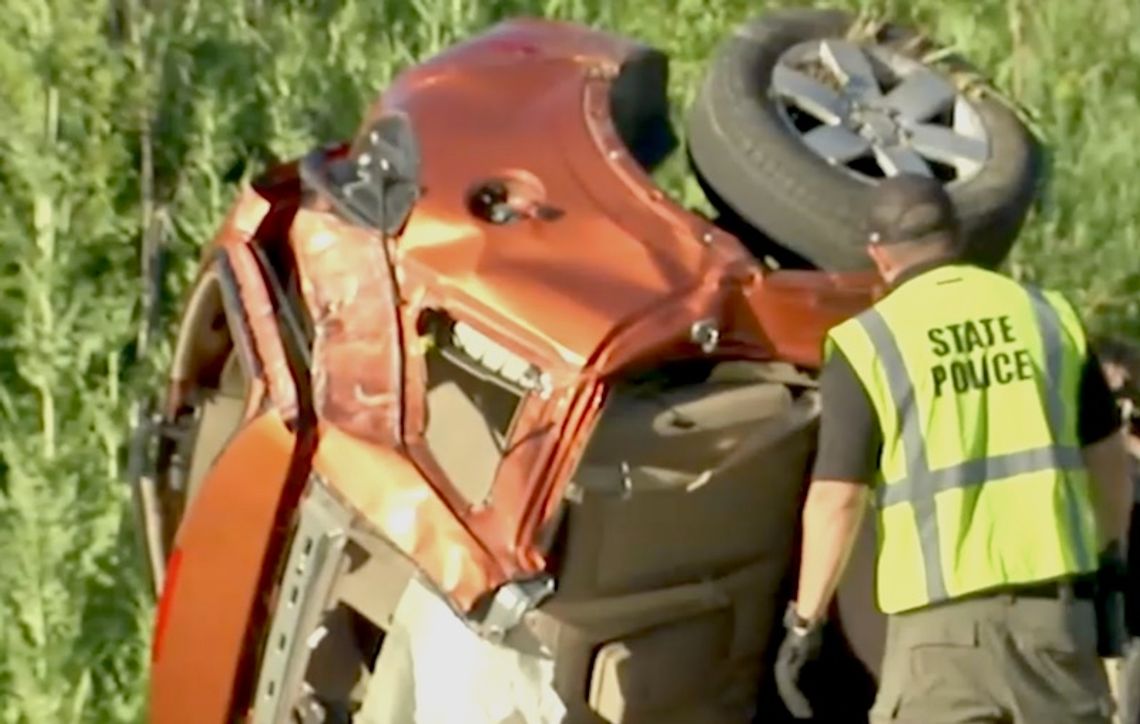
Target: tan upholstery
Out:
[467,424]
[220,415]
[646,656]
[680,664]
[676,535]
[719,466]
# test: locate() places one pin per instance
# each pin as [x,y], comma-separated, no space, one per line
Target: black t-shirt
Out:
[850,438]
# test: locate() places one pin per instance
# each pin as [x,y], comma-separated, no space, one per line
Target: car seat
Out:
[676,534]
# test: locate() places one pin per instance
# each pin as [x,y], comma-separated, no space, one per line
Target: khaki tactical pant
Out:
[996,659]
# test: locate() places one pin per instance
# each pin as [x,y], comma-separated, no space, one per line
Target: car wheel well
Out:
[211,385]
[639,107]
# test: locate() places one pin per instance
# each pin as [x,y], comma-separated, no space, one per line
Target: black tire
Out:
[756,169]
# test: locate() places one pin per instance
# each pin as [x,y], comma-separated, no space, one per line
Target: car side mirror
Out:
[377,183]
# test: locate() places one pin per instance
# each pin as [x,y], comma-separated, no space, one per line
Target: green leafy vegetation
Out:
[121,116]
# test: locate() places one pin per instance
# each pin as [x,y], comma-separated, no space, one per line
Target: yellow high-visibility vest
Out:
[974,379]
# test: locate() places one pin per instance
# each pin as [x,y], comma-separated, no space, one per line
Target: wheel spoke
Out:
[953,149]
[808,94]
[836,143]
[896,160]
[922,95]
[847,61]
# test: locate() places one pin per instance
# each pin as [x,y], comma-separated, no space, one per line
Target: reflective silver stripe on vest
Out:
[1049,326]
[976,472]
[921,483]
[918,492]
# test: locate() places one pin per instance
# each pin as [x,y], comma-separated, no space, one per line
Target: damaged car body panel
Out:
[212,590]
[466,387]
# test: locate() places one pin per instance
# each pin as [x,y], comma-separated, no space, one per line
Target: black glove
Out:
[798,649]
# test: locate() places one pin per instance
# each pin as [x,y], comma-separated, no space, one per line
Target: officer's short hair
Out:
[912,209]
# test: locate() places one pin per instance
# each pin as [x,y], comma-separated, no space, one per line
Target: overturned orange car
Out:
[468,420]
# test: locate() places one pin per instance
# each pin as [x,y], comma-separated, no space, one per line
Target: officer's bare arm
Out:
[1107,462]
[832,516]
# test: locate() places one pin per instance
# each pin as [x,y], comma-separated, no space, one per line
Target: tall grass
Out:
[121,116]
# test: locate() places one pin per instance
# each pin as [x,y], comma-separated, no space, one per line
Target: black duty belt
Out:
[1078,588]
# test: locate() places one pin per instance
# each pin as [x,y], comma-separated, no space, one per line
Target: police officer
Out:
[968,410]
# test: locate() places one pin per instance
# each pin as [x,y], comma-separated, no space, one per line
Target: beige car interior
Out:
[674,542]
